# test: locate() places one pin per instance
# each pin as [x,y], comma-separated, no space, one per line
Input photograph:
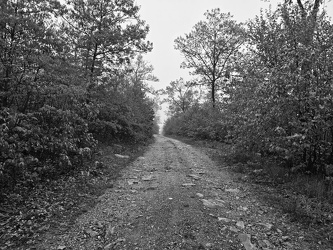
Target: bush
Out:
[200,122]
[41,144]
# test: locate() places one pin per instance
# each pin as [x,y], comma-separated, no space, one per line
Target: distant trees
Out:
[66,79]
[278,100]
[180,95]
[142,71]
[210,48]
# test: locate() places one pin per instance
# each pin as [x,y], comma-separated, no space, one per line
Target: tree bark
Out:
[93,61]
[213,93]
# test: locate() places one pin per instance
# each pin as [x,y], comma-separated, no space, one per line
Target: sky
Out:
[169,19]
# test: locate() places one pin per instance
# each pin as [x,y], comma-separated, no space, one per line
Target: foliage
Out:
[287,105]
[278,99]
[199,121]
[210,48]
[105,33]
[180,96]
[67,82]
[42,143]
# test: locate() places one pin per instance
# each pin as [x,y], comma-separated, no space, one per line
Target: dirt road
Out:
[174,197]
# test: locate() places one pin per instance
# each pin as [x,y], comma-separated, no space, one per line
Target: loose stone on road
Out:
[175,197]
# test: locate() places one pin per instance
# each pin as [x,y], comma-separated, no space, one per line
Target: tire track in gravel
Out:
[151,208]
[175,218]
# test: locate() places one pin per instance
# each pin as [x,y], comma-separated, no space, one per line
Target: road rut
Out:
[175,197]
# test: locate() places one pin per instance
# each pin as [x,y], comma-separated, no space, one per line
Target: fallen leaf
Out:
[109,246]
[232,190]
[285,238]
[246,241]
[212,203]
[122,156]
[226,220]
[208,203]
[147,178]
[91,232]
[196,177]
[243,208]
[209,245]
[188,184]
[109,231]
[268,244]
[198,171]
[233,229]
[266,225]
[240,224]
[132,181]
[219,202]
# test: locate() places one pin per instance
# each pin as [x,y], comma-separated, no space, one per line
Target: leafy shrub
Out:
[199,121]
[41,144]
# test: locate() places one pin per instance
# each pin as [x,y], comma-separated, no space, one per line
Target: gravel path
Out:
[174,197]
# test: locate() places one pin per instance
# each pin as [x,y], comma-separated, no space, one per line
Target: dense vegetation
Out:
[70,75]
[269,85]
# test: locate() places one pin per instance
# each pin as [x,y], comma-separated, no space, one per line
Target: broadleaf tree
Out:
[65,82]
[180,96]
[210,47]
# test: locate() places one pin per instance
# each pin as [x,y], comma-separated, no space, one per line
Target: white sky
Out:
[169,19]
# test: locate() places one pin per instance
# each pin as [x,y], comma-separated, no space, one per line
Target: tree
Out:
[105,33]
[142,71]
[283,104]
[59,82]
[210,47]
[27,41]
[280,99]
[307,21]
[180,96]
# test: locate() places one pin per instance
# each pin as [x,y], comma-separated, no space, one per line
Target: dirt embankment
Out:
[175,197]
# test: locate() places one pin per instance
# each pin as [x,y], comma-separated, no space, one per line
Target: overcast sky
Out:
[169,19]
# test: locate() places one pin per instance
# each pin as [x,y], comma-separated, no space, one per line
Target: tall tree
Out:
[306,24]
[210,46]
[106,33]
[27,42]
[284,103]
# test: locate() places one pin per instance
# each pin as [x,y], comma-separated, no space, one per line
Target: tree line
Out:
[267,84]
[71,74]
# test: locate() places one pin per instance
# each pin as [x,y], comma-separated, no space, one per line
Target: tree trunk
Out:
[93,61]
[213,93]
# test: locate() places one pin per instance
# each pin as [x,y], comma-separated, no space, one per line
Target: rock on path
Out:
[176,198]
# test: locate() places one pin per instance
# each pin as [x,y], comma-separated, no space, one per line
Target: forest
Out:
[74,91]
[71,75]
[264,86]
